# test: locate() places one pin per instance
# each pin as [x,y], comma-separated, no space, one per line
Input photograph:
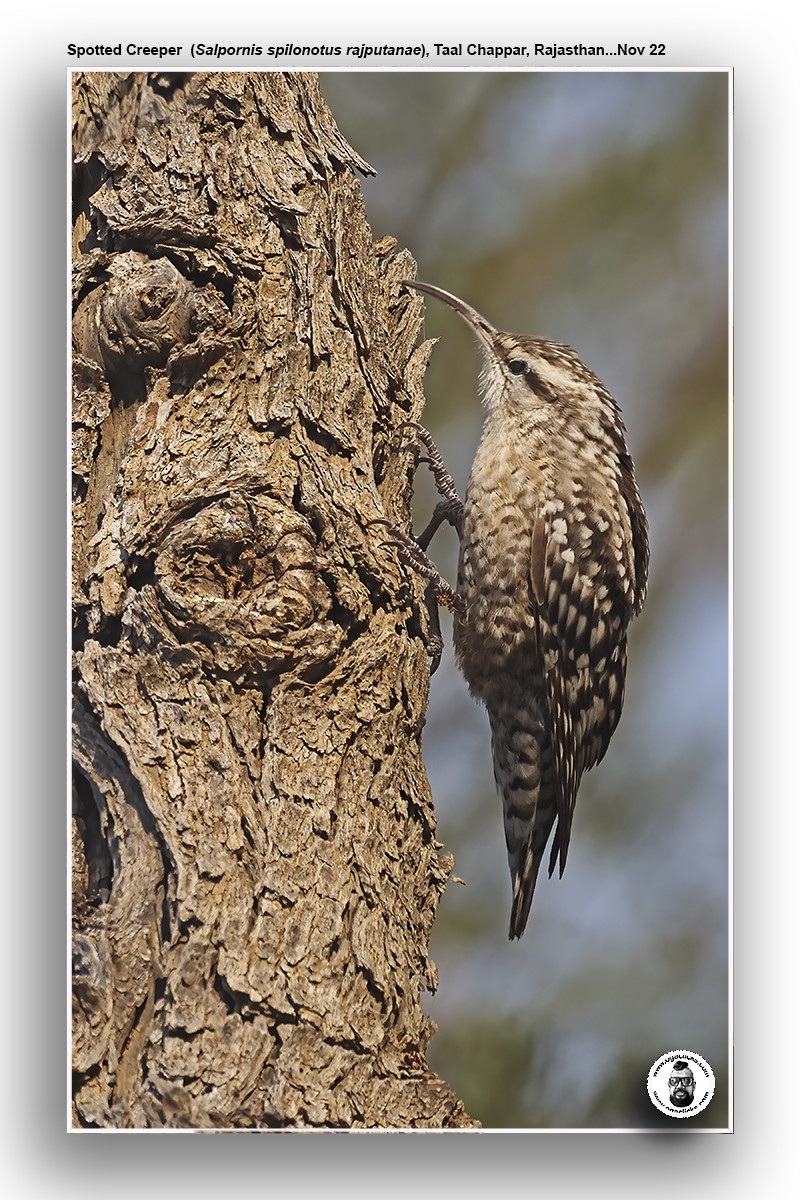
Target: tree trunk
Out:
[255,865]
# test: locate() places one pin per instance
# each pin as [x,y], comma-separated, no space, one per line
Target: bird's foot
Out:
[451,508]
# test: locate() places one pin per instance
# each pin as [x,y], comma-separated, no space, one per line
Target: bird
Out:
[553,565]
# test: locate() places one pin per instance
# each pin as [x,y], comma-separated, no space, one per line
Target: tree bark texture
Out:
[256,871]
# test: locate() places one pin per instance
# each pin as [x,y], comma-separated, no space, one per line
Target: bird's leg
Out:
[437,591]
[411,553]
[435,642]
[449,508]
[411,550]
[451,511]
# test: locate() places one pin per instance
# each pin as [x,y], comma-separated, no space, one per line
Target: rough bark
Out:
[256,871]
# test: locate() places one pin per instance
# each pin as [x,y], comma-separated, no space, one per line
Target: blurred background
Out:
[591,208]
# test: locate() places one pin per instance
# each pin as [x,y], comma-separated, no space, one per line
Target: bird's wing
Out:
[581,627]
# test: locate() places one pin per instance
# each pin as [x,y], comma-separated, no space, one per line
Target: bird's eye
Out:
[518,366]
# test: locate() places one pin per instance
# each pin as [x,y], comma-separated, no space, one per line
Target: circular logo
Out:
[680,1084]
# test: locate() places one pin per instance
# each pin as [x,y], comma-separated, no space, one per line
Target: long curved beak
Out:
[484,332]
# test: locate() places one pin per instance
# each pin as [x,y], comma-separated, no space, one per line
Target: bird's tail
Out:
[526,781]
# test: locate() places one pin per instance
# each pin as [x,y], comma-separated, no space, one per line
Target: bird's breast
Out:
[496,630]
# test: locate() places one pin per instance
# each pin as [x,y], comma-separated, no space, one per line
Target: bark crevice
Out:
[256,866]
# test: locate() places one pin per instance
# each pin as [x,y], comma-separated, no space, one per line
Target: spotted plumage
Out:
[552,567]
